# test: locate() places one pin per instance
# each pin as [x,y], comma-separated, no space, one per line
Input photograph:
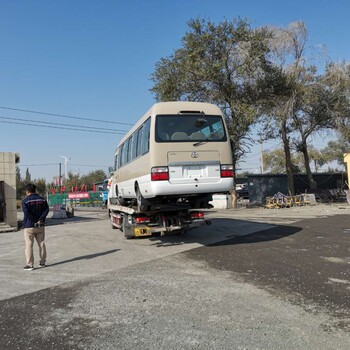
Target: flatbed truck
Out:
[168,220]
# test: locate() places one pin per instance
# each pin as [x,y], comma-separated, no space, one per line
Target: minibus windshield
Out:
[189,128]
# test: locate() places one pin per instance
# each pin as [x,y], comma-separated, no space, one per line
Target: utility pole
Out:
[59,175]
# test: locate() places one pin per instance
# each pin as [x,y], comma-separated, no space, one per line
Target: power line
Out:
[92,165]
[63,116]
[57,127]
[22,165]
[49,164]
[51,123]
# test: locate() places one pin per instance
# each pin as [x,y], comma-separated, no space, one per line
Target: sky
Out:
[93,60]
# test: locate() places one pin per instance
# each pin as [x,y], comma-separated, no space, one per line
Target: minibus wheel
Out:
[119,200]
[140,200]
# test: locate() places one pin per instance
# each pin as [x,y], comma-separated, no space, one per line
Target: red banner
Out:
[78,195]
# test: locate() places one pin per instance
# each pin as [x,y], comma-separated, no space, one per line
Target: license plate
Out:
[144,231]
[194,171]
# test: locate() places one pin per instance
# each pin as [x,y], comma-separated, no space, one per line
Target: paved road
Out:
[240,284]
[307,263]
[87,246]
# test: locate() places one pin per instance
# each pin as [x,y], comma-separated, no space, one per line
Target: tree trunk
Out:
[312,183]
[233,192]
[289,166]
[234,199]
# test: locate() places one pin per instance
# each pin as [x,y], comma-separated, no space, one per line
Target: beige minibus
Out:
[178,152]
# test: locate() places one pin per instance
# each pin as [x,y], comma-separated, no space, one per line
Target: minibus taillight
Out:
[227,170]
[160,173]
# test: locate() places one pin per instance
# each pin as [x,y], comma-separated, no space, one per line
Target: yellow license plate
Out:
[142,231]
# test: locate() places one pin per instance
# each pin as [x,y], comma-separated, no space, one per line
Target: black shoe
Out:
[42,265]
[28,268]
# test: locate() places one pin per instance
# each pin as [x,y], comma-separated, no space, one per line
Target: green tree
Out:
[73,180]
[222,63]
[41,187]
[274,162]
[28,177]
[334,151]
[40,184]
[320,107]
[19,184]
[93,177]
[317,157]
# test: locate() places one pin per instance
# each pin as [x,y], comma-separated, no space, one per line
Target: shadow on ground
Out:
[84,257]
[229,231]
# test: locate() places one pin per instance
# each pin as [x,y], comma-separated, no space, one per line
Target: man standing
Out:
[35,209]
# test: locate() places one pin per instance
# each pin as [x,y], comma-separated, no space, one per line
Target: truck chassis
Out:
[171,220]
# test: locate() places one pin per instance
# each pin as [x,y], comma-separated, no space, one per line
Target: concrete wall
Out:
[8,161]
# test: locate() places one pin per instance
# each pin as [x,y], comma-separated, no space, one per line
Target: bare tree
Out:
[312,101]
[337,81]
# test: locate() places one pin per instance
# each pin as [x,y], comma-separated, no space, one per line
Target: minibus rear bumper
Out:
[164,188]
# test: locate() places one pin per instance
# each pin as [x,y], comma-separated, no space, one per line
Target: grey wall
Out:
[8,162]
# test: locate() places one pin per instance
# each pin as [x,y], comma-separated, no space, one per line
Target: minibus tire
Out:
[140,201]
[119,200]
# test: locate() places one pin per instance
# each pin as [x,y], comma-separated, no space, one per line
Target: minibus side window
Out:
[139,142]
[121,156]
[145,136]
[132,148]
[126,151]
[116,162]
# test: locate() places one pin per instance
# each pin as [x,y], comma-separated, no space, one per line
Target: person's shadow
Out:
[84,257]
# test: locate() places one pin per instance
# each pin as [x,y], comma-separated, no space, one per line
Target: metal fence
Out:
[267,185]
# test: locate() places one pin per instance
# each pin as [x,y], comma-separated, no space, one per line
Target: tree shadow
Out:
[84,257]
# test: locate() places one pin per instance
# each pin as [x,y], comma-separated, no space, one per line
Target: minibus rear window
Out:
[189,128]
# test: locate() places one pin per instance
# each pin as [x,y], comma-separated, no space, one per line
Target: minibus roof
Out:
[175,107]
